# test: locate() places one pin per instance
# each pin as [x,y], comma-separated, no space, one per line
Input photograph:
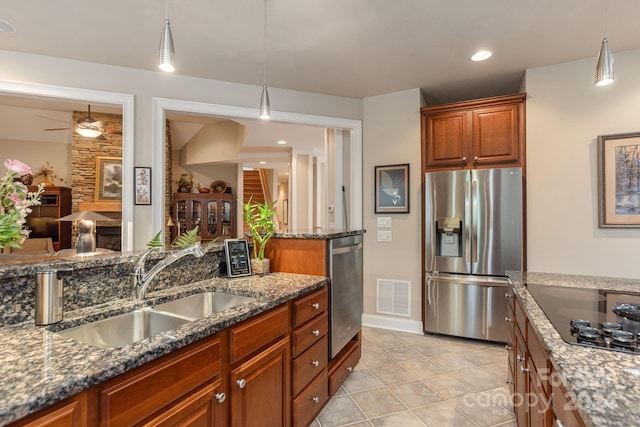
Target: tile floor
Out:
[411,380]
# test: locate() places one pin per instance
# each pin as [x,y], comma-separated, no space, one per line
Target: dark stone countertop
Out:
[606,384]
[320,233]
[40,367]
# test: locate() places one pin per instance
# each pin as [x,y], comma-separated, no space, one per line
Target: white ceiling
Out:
[355,48]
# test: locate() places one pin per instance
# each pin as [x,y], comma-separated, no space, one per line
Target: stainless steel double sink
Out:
[128,328]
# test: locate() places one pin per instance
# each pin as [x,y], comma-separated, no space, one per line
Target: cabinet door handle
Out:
[220,397]
[349,369]
[316,332]
[508,347]
[508,319]
[464,159]
[315,363]
[520,358]
[316,306]
[508,381]
[507,295]
[315,399]
[475,159]
[241,383]
[523,369]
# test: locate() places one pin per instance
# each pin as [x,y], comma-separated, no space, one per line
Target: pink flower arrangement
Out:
[15,204]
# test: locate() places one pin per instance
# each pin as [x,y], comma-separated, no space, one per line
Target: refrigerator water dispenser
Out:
[448,239]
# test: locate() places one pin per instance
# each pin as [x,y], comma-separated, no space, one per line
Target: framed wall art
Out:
[392,188]
[619,180]
[108,179]
[142,194]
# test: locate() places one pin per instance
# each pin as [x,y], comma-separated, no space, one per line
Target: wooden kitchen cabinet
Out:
[479,133]
[535,395]
[214,214]
[70,412]
[260,388]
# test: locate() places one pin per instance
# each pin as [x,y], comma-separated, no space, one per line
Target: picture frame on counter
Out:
[619,180]
[142,193]
[392,188]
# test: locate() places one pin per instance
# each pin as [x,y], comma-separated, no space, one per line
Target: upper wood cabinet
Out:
[471,134]
[213,213]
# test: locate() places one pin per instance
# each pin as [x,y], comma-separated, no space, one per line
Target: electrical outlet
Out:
[384,236]
[384,222]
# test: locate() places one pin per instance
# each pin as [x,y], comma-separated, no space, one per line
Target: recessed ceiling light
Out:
[263,162]
[282,142]
[481,55]
[5,27]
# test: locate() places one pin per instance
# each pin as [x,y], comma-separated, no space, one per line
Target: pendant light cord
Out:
[605,19]
[166,10]
[264,65]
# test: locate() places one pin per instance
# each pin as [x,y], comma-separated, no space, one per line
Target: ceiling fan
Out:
[88,127]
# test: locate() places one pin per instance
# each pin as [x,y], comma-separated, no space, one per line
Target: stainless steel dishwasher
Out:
[345,270]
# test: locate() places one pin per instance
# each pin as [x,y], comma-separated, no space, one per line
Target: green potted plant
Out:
[259,217]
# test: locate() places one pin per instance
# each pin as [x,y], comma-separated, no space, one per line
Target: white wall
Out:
[565,115]
[37,153]
[146,85]
[391,135]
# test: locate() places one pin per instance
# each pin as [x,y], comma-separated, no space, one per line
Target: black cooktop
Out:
[591,317]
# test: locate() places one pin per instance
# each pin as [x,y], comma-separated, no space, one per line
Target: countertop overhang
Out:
[605,384]
[41,367]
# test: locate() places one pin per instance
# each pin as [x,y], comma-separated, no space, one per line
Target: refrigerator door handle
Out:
[467,225]
[473,226]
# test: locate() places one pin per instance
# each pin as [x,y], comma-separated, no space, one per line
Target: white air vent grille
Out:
[394,297]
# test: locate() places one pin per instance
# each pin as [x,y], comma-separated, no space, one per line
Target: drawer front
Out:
[309,403]
[344,368]
[309,333]
[309,364]
[539,357]
[308,307]
[511,298]
[521,319]
[251,336]
[130,401]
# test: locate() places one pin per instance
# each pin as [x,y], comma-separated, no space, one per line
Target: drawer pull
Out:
[220,397]
[507,295]
[315,399]
[316,306]
[523,369]
[475,159]
[508,347]
[241,383]
[349,369]
[520,358]
[508,319]
[464,159]
[315,363]
[316,332]
[508,381]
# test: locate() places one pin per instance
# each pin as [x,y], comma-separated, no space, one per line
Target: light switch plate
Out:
[384,236]
[384,222]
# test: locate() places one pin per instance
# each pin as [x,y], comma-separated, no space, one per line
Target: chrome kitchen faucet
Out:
[141,278]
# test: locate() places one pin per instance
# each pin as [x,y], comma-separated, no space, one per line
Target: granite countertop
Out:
[606,383]
[40,367]
[318,233]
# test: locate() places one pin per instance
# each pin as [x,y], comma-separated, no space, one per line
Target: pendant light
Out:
[265,104]
[604,66]
[166,52]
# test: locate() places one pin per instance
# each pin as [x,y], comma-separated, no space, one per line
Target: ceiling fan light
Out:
[166,52]
[88,132]
[265,105]
[604,65]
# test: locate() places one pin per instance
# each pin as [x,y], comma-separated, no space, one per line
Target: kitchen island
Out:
[41,367]
[603,385]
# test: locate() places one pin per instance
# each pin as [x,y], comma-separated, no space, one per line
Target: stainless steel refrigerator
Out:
[473,234]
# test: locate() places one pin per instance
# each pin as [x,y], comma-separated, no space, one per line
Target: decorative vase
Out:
[204,190]
[48,183]
[260,266]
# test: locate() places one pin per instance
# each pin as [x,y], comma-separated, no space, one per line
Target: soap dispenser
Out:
[49,296]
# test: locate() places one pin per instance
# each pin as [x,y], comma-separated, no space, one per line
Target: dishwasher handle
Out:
[346,249]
